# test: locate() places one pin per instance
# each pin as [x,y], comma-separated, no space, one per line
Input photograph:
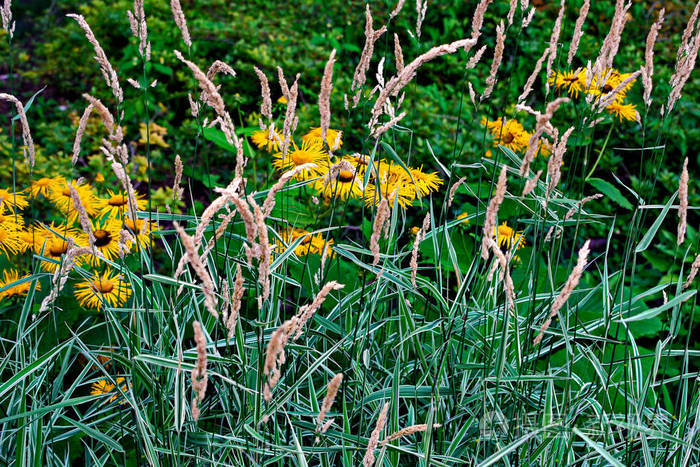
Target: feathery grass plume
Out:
[497,59]
[476,58]
[685,63]
[693,272]
[266,106]
[368,460]
[569,214]
[578,30]
[324,97]
[511,11]
[409,430]
[269,203]
[555,161]
[220,67]
[251,227]
[528,19]
[194,259]
[568,288]
[83,217]
[115,132]
[275,356]
[543,126]
[398,53]
[26,135]
[60,276]
[6,16]
[420,236]
[79,133]
[181,22]
[503,262]
[683,203]
[327,403]
[553,42]
[394,12]
[137,21]
[199,372]
[123,177]
[215,206]
[478,18]
[236,300]
[611,43]
[531,184]
[453,190]
[648,70]
[421,8]
[491,218]
[381,223]
[371,36]
[307,312]
[263,253]
[106,68]
[290,118]
[380,130]
[177,189]
[533,76]
[401,79]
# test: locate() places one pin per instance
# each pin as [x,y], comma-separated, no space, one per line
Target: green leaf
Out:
[611,191]
[649,236]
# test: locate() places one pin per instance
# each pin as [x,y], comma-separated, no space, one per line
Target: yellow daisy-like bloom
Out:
[331,137]
[612,79]
[117,204]
[425,183]
[155,134]
[107,233]
[391,191]
[311,243]
[44,185]
[10,243]
[10,221]
[109,288]
[510,134]
[505,236]
[623,111]
[463,216]
[12,201]
[282,100]
[346,184]
[99,178]
[8,277]
[263,140]
[141,233]
[310,152]
[103,387]
[50,245]
[414,230]
[573,82]
[61,197]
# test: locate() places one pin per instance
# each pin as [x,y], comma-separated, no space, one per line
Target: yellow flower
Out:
[103,387]
[414,230]
[10,221]
[9,242]
[50,242]
[12,200]
[44,185]
[345,184]
[510,134]
[141,232]
[261,138]
[573,82]
[108,288]
[310,152]
[107,233]
[11,276]
[117,204]
[464,216]
[155,134]
[331,136]
[403,194]
[282,100]
[99,178]
[311,243]
[623,111]
[612,79]
[61,197]
[505,236]
[425,183]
